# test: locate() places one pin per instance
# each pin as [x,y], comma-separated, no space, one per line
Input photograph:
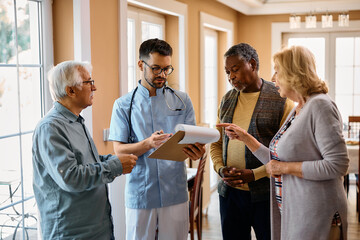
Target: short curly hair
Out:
[296,70]
[245,52]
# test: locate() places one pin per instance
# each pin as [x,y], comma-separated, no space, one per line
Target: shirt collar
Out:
[145,92]
[67,113]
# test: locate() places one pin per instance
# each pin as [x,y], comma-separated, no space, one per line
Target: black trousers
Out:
[239,214]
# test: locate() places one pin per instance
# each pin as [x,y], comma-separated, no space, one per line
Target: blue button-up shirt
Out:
[153,183]
[70,178]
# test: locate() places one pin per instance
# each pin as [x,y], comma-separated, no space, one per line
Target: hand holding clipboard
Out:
[172,149]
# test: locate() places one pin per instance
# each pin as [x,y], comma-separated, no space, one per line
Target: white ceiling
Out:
[265,7]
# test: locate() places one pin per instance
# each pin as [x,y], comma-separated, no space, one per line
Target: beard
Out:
[238,86]
[157,82]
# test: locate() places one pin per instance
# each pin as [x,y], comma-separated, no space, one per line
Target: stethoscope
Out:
[131,138]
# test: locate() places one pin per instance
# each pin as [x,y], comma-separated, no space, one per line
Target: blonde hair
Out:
[297,71]
[65,74]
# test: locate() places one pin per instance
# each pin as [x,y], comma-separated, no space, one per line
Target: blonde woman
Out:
[307,158]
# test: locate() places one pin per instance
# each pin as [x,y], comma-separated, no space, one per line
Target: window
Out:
[141,25]
[347,75]
[211,76]
[316,44]
[216,36]
[341,62]
[337,63]
[211,87]
[21,107]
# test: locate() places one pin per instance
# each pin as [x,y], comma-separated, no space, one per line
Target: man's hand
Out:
[237,177]
[128,162]
[194,151]
[158,138]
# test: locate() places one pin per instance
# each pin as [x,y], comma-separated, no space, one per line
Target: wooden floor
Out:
[212,226]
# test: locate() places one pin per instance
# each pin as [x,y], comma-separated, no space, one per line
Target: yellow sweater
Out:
[236,149]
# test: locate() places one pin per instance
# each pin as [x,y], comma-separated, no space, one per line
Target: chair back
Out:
[195,193]
[358,185]
[354,132]
[354,126]
[196,199]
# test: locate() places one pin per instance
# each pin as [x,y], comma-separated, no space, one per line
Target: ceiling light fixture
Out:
[295,21]
[343,20]
[327,20]
[310,21]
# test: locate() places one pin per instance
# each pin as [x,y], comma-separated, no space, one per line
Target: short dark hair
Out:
[245,52]
[154,45]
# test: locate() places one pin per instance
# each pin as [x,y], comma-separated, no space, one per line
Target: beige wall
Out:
[260,37]
[255,30]
[172,37]
[104,26]
[105,51]
[214,8]
[63,30]
[104,56]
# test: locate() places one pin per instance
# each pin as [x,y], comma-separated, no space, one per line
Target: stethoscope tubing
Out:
[131,138]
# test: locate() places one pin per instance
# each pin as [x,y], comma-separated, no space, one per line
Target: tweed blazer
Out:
[264,123]
[309,203]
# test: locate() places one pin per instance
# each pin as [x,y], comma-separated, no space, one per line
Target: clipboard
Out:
[187,134]
[171,149]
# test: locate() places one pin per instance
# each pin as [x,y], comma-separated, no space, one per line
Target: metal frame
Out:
[19,215]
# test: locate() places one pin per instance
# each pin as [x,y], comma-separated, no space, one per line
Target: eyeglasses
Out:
[158,70]
[92,82]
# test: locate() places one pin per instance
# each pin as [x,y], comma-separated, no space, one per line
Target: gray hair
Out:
[65,74]
[243,51]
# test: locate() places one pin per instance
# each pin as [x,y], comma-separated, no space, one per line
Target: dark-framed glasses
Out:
[158,70]
[92,82]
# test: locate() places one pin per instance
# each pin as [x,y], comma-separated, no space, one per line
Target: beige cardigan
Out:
[309,203]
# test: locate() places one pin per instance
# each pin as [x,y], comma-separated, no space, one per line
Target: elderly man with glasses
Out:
[156,194]
[70,176]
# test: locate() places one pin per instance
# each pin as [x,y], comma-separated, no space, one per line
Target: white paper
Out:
[194,134]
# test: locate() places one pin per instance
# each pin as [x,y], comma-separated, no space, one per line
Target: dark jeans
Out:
[239,214]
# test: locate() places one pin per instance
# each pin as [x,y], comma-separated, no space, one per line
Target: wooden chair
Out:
[353,132]
[358,186]
[196,200]
[354,126]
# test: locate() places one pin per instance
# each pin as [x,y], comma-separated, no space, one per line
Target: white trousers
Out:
[172,223]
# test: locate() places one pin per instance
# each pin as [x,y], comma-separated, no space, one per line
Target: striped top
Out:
[274,156]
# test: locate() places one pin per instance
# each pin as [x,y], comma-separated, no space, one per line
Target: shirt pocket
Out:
[172,118]
[169,112]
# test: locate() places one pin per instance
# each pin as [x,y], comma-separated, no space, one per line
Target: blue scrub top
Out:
[153,183]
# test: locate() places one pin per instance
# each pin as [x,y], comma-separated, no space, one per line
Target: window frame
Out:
[44,24]
[168,7]
[139,16]
[220,25]
[281,32]
[208,32]
[281,28]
